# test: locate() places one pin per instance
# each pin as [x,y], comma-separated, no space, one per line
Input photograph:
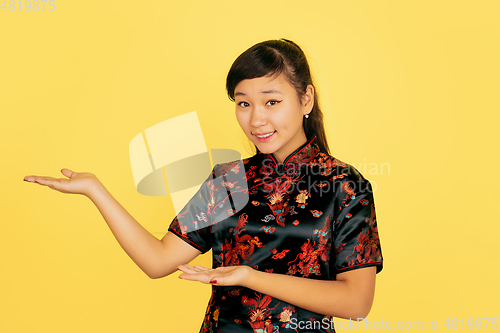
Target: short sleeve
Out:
[193,223]
[356,240]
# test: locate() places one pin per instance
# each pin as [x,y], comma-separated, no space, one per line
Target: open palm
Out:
[223,276]
[75,183]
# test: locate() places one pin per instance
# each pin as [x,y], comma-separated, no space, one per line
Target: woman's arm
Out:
[350,296]
[156,258]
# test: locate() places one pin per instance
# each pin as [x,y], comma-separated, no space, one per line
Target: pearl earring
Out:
[307,116]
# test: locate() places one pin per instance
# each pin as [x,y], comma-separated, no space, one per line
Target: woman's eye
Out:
[273,102]
[243,104]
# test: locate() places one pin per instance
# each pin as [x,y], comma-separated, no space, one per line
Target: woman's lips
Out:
[265,137]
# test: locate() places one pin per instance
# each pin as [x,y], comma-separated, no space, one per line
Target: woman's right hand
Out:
[75,183]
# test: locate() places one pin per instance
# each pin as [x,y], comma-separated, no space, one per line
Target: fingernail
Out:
[213,281]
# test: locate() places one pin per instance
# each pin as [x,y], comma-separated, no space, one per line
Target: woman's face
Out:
[270,113]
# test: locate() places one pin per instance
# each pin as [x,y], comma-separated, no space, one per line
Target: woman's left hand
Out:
[221,276]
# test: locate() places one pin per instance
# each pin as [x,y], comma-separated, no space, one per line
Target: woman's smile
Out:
[265,137]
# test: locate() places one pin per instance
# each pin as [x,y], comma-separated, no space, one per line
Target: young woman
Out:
[292,229]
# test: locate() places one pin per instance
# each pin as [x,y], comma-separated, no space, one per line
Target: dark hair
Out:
[274,57]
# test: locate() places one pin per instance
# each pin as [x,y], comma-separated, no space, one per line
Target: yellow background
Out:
[410,83]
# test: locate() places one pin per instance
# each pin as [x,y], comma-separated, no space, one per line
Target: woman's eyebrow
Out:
[271,91]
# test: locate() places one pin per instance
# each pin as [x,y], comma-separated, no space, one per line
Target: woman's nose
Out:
[258,117]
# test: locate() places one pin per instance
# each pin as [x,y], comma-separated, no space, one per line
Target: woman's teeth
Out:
[265,135]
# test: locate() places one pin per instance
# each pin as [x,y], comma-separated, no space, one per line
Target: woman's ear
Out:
[308,100]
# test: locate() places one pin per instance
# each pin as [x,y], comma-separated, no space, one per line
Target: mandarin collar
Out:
[302,155]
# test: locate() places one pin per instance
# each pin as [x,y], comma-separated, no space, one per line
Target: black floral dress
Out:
[312,216]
